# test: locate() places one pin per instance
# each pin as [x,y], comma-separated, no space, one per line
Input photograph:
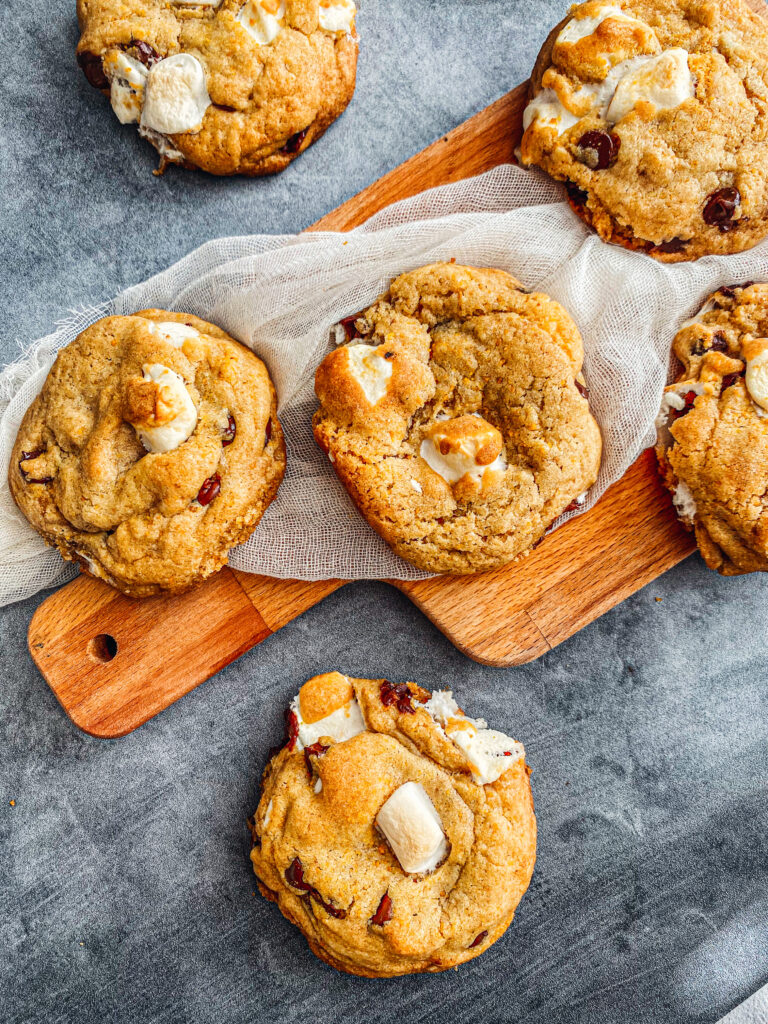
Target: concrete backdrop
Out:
[125,889]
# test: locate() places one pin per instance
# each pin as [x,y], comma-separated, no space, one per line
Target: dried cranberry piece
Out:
[720,208]
[93,69]
[384,911]
[576,195]
[267,433]
[689,398]
[293,145]
[604,146]
[729,380]
[398,694]
[229,432]
[673,245]
[291,728]
[147,54]
[480,938]
[582,389]
[314,749]
[209,490]
[348,323]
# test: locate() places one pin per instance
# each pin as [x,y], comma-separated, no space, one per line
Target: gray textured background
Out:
[125,889]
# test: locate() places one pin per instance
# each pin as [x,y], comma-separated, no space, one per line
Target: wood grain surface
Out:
[99,650]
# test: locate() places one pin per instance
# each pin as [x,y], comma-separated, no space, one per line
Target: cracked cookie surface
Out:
[456,417]
[713,429]
[153,448]
[655,114]
[396,832]
[229,86]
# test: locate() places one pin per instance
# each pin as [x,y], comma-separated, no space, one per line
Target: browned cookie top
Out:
[152,449]
[231,86]
[456,417]
[394,830]
[713,429]
[656,114]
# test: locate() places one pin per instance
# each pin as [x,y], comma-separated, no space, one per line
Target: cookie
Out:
[654,114]
[396,832]
[153,448]
[456,417]
[713,429]
[229,86]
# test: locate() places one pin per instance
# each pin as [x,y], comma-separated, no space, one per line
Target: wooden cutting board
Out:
[114,662]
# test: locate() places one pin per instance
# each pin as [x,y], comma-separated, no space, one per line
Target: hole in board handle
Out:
[102,648]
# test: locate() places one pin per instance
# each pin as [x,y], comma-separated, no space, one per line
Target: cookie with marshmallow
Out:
[644,109]
[153,448]
[229,86]
[393,829]
[455,413]
[712,442]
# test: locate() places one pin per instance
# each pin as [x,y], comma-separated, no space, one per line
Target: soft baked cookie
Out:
[713,429]
[457,417]
[396,832]
[230,86]
[152,449]
[655,114]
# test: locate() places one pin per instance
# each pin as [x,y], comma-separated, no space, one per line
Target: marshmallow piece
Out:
[127,81]
[684,502]
[466,446]
[174,416]
[756,378]
[413,829]
[664,81]
[489,752]
[547,108]
[262,19]
[370,370]
[172,332]
[176,95]
[580,28]
[337,15]
[326,706]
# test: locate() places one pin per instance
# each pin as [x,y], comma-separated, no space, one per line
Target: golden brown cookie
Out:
[230,86]
[654,113]
[396,832]
[153,448]
[713,429]
[456,417]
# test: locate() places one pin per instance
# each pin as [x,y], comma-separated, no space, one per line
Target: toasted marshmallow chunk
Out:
[174,415]
[547,108]
[684,502]
[336,15]
[127,82]
[755,351]
[172,332]
[580,28]
[464,447]
[326,706]
[371,371]
[176,96]
[413,829]
[262,19]
[664,81]
[489,752]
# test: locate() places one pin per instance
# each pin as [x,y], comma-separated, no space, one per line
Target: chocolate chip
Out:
[267,433]
[209,490]
[93,69]
[478,940]
[673,245]
[147,54]
[600,150]
[293,145]
[718,343]
[26,457]
[576,195]
[729,380]
[294,876]
[229,432]
[689,398]
[582,389]
[348,323]
[398,694]
[384,912]
[720,208]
